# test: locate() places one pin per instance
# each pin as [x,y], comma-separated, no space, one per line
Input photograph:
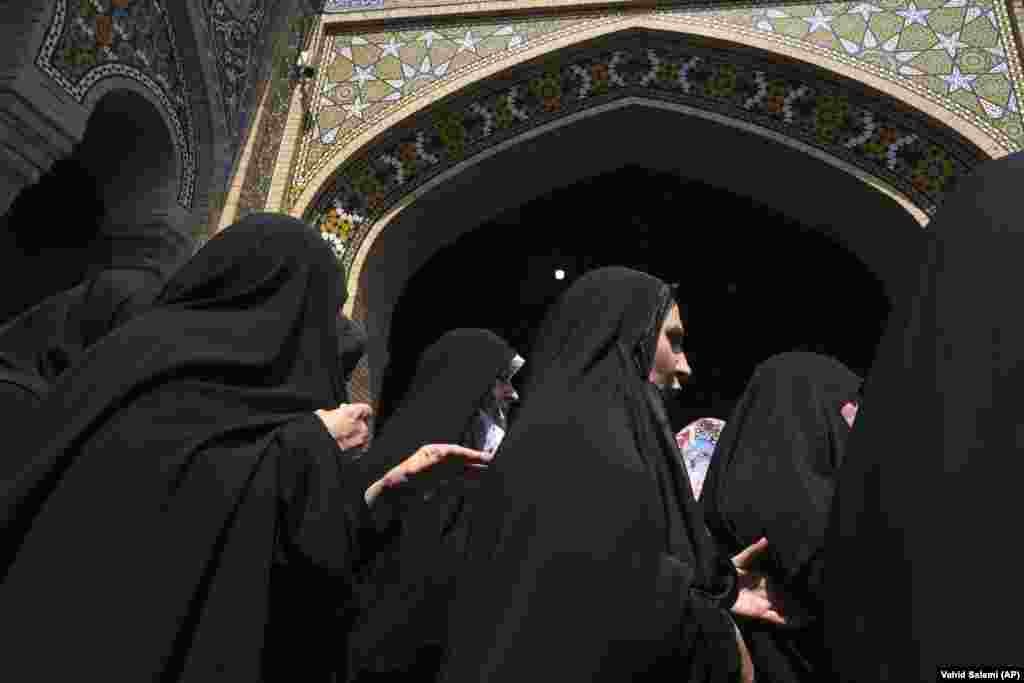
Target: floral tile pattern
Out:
[901,147]
[89,40]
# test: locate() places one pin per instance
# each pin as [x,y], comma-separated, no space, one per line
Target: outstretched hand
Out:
[755,600]
[429,462]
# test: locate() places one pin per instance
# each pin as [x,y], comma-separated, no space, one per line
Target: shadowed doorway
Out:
[752,281]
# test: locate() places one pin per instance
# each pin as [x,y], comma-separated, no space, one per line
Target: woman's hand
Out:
[762,598]
[436,460]
[754,600]
[348,424]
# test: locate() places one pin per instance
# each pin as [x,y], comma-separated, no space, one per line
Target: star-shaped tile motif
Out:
[819,20]
[468,43]
[364,74]
[912,15]
[958,81]
[950,43]
[865,10]
[391,48]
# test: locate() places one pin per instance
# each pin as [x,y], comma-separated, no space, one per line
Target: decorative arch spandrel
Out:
[954,59]
[89,41]
[897,149]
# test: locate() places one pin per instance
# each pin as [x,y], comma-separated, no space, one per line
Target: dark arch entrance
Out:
[753,282]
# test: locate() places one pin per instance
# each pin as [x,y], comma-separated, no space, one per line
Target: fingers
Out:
[744,558]
[773,617]
[360,411]
[448,451]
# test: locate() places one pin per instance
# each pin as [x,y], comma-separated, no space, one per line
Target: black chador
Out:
[588,558]
[773,477]
[187,497]
[401,630]
[926,519]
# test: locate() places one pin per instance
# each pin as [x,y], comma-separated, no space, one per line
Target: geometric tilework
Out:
[90,40]
[270,136]
[364,74]
[905,149]
[957,53]
[234,32]
[955,48]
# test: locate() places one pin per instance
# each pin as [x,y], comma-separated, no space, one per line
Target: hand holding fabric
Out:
[435,459]
[348,424]
[755,600]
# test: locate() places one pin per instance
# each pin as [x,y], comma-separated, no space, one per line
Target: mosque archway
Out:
[787,134]
[870,224]
[752,281]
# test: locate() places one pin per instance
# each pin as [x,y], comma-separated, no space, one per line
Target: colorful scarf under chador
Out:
[697,442]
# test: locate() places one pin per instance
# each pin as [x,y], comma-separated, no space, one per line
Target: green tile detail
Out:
[947,20]
[917,37]
[975,61]
[885,26]
[980,33]
[1011,125]
[933,62]
[969,100]
[791,26]
[994,88]
[850,27]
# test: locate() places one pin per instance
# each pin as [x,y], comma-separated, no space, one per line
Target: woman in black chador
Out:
[192,492]
[922,540]
[40,344]
[773,476]
[458,394]
[588,558]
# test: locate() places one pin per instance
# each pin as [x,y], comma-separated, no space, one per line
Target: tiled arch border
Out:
[993,142]
[361,256]
[182,131]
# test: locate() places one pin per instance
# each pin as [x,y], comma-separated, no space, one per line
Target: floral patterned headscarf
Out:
[697,443]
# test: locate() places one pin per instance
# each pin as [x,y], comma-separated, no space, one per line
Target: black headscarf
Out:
[453,376]
[773,477]
[352,340]
[925,517]
[183,464]
[112,297]
[589,559]
[351,345]
[408,587]
[39,345]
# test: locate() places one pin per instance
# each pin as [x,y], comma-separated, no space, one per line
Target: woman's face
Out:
[670,362]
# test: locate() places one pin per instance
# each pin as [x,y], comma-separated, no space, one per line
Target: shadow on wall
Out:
[49,236]
[113,201]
